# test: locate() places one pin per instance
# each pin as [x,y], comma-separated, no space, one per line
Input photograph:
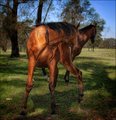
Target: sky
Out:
[105,8]
[107,11]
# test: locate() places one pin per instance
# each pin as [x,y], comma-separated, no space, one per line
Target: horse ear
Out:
[78,25]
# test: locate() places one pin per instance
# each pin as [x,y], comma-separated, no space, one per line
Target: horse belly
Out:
[43,59]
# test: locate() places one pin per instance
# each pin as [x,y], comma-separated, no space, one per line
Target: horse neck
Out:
[84,37]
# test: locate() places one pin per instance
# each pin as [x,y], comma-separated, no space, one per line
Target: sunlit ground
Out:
[99,77]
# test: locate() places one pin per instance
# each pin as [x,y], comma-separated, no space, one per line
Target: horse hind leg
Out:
[66,77]
[53,70]
[29,83]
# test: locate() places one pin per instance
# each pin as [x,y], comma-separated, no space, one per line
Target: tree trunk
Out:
[14,44]
[14,32]
[39,13]
[47,10]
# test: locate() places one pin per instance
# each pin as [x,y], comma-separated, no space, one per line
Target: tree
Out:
[39,19]
[3,36]
[9,9]
[9,25]
[75,11]
[81,11]
[108,43]
[39,11]
[23,32]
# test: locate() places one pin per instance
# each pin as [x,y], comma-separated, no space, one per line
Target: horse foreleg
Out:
[76,72]
[29,83]
[66,77]
[53,70]
[80,85]
[67,62]
[67,74]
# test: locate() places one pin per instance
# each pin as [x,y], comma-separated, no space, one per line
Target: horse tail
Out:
[48,44]
[47,36]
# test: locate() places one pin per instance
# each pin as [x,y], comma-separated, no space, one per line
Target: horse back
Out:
[54,32]
[57,31]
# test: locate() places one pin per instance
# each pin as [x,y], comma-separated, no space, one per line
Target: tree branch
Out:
[6,6]
[47,10]
[24,1]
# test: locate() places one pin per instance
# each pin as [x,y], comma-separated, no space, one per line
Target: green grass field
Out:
[99,103]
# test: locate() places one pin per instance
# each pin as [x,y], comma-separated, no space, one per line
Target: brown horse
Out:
[85,34]
[47,45]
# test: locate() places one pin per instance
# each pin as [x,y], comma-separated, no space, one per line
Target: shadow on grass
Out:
[99,77]
[15,65]
[65,101]
[97,105]
[98,82]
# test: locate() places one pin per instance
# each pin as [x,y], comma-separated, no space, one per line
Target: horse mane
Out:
[59,26]
[86,28]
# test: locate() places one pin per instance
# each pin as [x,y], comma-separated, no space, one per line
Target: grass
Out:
[100,89]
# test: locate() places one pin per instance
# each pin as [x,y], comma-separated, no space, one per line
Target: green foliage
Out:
[10,25]
[108,43]
[72,11]
[3,35]
[24,29]
[81,11]
[99,80]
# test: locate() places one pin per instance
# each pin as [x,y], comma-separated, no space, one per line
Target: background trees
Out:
[108,43]
[9,9]
[18,16]
[81,11]
[9,25]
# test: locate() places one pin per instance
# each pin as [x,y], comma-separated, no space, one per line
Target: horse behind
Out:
[47,45]
[85,34]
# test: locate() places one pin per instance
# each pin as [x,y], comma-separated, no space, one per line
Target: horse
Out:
[47,45]
[85,34]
